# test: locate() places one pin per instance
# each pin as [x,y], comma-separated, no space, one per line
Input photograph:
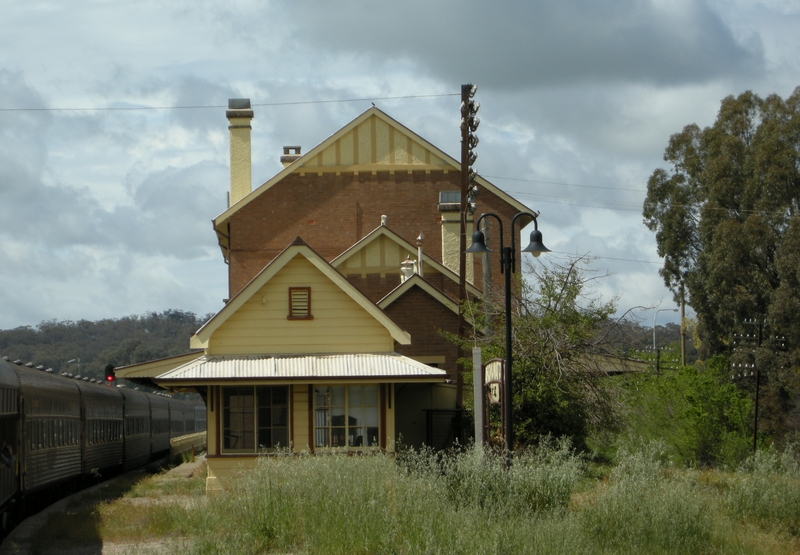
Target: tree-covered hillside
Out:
[118,341]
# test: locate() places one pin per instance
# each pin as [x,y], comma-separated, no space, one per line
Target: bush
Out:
[766,489]
[702,418]
[646,509]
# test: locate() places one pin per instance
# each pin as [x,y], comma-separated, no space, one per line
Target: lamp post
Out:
[654,322]
[507,267]
[78,360]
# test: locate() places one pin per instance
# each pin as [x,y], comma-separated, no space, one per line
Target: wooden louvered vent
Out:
[300,303]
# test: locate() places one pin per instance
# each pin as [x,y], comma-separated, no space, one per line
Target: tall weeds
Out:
[647,509]
[469,502]
[767,489]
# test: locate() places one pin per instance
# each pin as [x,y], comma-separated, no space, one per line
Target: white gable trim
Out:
[201,338]
[420,282]
[386,232]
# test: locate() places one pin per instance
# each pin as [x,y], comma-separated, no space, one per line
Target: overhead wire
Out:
[217,106]
[552,199]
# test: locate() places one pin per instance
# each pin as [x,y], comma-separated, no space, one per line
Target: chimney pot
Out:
[290,154]
[238,103]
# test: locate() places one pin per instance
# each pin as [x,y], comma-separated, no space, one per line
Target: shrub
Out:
[766,489]
[646,509]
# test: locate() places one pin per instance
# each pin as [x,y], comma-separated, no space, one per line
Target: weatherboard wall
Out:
[338,324]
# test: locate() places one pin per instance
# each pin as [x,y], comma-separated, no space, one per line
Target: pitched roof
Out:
[417,154]
[383,231]
[417,281]
[155,367]
[297,248]
[388,367]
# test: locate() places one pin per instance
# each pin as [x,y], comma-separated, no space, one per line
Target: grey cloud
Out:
[172,212]
[524,44]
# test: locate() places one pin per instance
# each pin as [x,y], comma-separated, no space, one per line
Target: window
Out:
[346,416]
[300,303]
[255,418]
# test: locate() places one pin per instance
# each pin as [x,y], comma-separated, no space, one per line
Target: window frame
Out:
[255,427]
[319,410]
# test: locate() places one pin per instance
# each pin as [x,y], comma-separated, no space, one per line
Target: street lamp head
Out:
[478,243]
[536,247]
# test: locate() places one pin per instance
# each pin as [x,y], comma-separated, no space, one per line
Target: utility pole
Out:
[683,324]
[752,366]
[469,124]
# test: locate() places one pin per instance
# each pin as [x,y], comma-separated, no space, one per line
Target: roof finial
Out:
[383,220]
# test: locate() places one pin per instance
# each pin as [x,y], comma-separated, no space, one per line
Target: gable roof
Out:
[418,154]
[417,281]
[297,248]
[383,231]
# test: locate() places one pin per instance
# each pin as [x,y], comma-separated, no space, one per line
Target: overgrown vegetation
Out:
[725,217]
[550,501]
[560,336]
[702,417]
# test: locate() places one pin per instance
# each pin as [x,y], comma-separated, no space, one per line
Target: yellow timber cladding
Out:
[378,146]
[338,323]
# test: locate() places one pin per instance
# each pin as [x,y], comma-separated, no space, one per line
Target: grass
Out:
[468,502]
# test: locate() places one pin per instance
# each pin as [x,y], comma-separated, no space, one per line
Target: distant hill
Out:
[120,342]
[629,337]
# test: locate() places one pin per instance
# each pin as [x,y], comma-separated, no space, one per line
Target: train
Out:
[57,431]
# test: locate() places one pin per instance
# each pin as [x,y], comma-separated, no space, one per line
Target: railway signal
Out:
[110,376]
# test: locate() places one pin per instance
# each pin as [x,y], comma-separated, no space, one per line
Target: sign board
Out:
[493,380]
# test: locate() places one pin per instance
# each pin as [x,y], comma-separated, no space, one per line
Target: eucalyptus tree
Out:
[725,215]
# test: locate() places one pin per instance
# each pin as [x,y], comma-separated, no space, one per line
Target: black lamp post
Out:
[507,267]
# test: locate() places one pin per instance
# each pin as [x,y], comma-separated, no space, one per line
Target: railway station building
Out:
[343,276]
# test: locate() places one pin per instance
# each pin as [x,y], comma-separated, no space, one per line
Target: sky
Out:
[114,142]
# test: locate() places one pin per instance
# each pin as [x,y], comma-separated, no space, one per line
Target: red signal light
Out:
[110,377]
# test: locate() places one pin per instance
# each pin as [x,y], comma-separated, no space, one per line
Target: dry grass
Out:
[376,504]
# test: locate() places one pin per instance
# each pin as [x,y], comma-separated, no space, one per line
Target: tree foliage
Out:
[559,341]
[726,217]
[701,416]
[120,341]
[727,225]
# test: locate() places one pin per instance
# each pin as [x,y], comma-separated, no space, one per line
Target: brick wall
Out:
[331,212]
[423,316]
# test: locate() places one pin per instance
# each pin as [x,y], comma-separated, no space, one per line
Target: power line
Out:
[565,184]
[553,199]
[598,257]
[631,206]
[217,106]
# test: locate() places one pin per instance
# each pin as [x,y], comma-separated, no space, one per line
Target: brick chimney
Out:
[450,214]
[239,115]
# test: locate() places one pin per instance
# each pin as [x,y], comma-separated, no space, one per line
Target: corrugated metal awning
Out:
[303,367]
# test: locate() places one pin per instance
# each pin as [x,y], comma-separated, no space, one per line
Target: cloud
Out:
[171,213]
[521,44]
